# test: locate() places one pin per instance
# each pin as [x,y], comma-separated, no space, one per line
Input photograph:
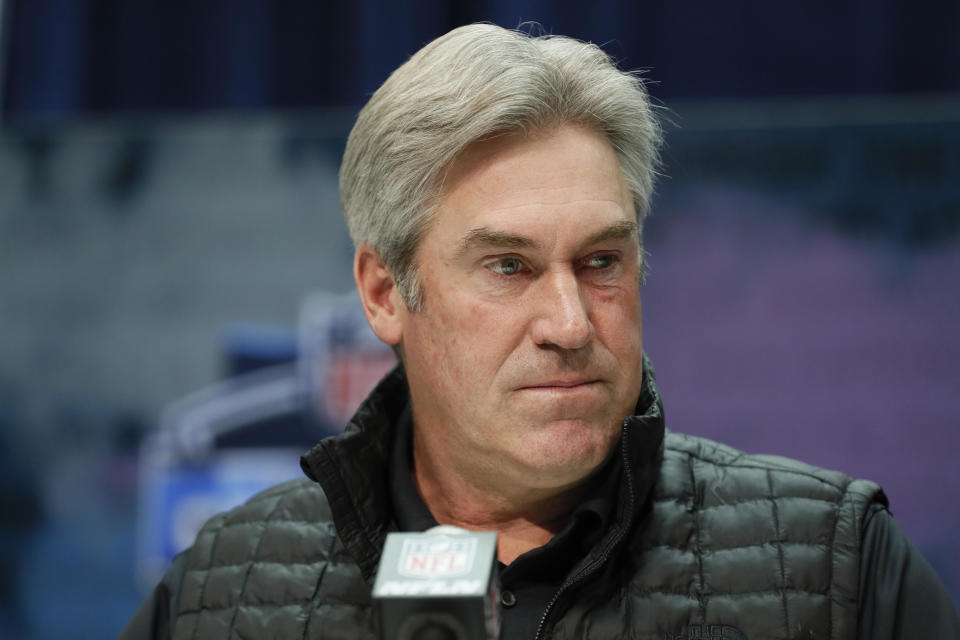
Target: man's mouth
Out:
[561,383]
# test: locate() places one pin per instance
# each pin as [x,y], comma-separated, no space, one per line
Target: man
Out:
[495,187]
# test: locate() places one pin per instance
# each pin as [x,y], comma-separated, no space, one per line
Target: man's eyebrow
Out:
[617,231]
[484,237]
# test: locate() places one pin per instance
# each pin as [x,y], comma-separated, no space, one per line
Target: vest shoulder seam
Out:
[734,503]
[742,460]
[283,563]
[729,594]
[259,521]
[714,549]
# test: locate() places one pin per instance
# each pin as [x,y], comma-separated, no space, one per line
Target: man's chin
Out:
[562,457]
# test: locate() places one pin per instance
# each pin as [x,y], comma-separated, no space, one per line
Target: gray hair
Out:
[474,82]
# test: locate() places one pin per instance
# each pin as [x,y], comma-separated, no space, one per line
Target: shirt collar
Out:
[409,510]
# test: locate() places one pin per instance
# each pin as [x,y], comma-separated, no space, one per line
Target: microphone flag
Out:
[442,583]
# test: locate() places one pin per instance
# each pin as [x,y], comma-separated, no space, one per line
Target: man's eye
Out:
[507,266]
[601,261]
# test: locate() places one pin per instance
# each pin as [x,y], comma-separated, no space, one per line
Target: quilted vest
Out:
[733,546]
[714,544]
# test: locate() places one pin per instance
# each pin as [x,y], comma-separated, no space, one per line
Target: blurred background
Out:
[175,317]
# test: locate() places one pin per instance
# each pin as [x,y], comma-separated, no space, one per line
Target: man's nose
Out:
[563,316]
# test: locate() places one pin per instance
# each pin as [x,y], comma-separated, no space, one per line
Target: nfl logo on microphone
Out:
[444,578]
[437,557]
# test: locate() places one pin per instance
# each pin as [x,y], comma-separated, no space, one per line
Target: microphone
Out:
[441,584]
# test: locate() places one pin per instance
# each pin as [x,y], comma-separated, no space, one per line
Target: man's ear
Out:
[378,293]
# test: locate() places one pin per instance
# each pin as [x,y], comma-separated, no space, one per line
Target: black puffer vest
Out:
[707,542]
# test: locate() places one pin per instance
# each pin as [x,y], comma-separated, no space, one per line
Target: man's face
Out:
[526,355]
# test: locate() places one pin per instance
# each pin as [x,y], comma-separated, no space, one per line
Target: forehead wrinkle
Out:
[559,202]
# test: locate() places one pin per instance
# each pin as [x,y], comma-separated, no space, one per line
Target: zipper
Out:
[605,554]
